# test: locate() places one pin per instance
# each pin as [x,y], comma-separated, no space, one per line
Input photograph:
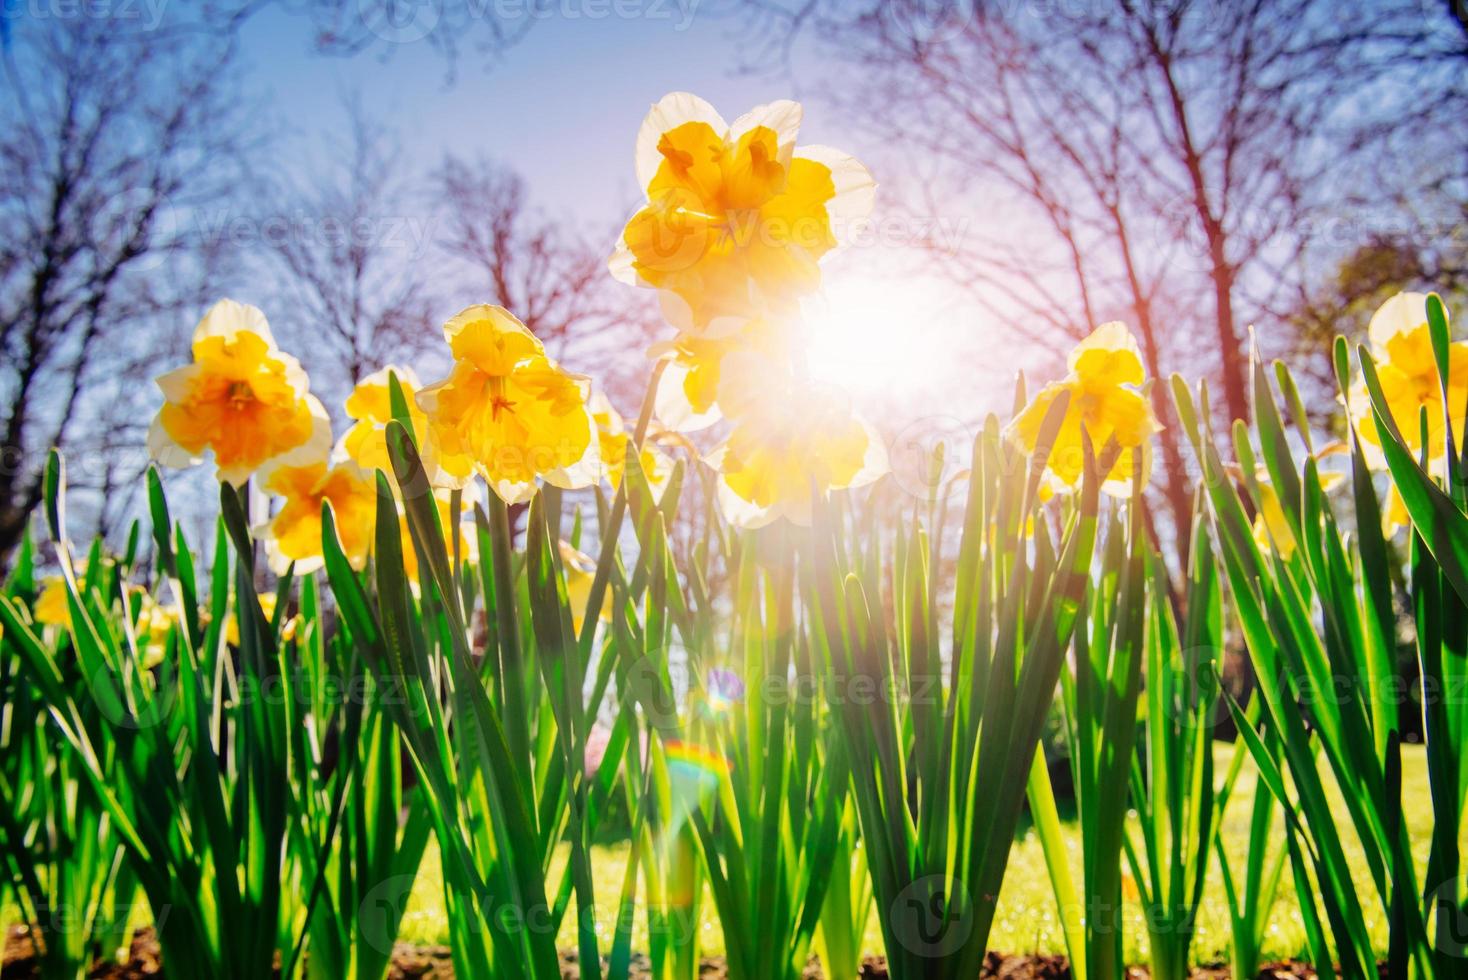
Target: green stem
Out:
[512,660]
[614,524]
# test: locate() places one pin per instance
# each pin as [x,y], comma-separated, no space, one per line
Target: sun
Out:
[875,339]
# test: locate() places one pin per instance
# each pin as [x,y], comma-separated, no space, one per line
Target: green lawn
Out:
[1027,919]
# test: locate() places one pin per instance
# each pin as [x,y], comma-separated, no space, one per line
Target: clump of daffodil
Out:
[737,216]
[1401,344]
[369,406]
[242,399]
[612,438]
[294,533]
[789,439]
[1106,403]
[507,411]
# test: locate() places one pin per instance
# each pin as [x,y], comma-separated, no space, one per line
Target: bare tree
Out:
[107,143]
[348,249]
[1183,166]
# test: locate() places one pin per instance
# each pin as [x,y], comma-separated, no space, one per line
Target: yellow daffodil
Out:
[1272,528]
[294,534]
[1401,344]
[737,217]
[580,570]
[52,606]
[152,626]
[1105,403]
[612,439]
[1396,516]
[369,406]
[268,602]
[507,411]
[241,398]
[789,440]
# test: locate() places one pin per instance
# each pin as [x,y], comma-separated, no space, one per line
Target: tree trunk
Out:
[1231,367]
[1175,477]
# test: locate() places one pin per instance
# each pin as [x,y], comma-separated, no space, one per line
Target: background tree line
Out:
[1217,174]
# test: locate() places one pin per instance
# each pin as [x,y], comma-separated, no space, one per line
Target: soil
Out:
[435,963]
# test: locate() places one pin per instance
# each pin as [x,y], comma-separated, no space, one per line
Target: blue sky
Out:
[562,106]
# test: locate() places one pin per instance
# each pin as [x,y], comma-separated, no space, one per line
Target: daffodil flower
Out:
[294,533]
[52,606]
[241,398]
[507,411]
[612,439]
[580,570]
[1105,403]
[1272,528]
[152,626]
[790,439]
[737,216]
[1401,344]
[369,406]
[268,601]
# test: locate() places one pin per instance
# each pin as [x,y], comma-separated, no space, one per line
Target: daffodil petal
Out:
[672,407]
[668,113]
[228,318]
[744,513]
[512,492]
[162,448]
[178,383]
[623,264]
[856,189]
[492,337]
[585,472]
[782,117]
[318,446]
[1403,313]
[1109,356]
[874,464]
